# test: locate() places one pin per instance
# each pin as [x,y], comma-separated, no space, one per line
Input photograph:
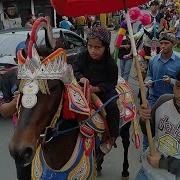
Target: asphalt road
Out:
[7,167]
[112,166]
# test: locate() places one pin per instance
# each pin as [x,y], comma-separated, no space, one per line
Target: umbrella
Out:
[92,7]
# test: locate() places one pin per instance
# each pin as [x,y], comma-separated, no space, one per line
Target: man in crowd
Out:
[80,23]
[9,87]
[161,72]
[149,34]
[11,17]
[8,82]
[164,65]
[66,24]
[164,163]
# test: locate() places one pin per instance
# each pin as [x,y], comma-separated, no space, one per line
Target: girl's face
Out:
[95,48]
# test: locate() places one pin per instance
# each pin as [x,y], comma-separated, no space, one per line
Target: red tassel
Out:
[67,113]
[88,145]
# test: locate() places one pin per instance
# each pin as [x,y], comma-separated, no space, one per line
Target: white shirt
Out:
[12,23]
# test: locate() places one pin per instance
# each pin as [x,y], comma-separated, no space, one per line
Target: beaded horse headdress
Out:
[35,72]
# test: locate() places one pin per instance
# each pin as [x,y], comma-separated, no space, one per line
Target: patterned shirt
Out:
[166,125]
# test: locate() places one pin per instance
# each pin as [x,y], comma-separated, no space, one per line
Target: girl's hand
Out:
[126,56]
[95,89]
[83,80]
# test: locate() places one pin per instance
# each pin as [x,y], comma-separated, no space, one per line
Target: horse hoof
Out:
[125,178]
[99,173]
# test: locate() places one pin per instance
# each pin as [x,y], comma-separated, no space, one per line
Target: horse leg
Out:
[23,173]
[99,156]
[99,162]
[124,133]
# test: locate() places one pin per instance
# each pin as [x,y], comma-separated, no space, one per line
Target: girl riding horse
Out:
[99,68]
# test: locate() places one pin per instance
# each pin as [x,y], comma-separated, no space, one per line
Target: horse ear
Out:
[61,33]
[28,36]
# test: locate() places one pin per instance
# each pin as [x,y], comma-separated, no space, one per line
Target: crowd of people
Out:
[79,23]
[161,74]
[161,77]
[13,20]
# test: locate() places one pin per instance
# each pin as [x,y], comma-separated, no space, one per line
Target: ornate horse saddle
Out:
[76,106]
[126,102]
[79,105]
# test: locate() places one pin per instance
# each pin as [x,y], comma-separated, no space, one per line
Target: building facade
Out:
[27,8]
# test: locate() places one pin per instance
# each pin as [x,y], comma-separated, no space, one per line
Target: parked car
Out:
[9,39]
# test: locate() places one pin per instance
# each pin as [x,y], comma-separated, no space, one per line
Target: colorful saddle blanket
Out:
[80,166]
[126,102]
[76,106]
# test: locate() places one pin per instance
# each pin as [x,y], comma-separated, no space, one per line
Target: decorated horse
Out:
[58,122]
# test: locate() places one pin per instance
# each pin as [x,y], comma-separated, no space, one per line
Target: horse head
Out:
[41,87]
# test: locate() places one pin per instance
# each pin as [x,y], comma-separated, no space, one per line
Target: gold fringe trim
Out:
[36,168]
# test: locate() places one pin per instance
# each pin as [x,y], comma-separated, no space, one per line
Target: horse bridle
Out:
[42,22]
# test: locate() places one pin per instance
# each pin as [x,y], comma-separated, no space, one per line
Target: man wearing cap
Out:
[164,65]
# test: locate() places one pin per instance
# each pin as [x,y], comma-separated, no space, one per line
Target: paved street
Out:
[112,166]
[7,168]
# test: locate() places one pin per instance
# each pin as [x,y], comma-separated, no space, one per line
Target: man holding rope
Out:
[162,69]
[161,73]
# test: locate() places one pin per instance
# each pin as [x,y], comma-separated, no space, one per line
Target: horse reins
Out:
[55,132]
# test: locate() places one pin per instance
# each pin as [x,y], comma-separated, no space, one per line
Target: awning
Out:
[92,7]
